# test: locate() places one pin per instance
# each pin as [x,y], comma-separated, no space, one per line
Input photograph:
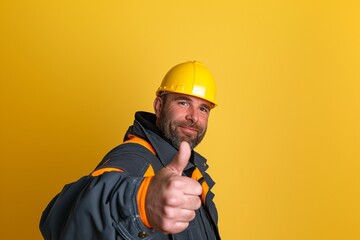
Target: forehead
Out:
[178,96]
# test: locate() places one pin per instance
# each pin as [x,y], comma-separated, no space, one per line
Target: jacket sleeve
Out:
[107,209]
[106,206]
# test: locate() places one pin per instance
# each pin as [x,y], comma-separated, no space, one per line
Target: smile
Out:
[189,129]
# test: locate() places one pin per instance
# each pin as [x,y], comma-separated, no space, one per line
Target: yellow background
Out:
[283,145]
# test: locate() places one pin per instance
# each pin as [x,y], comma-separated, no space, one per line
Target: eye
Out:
[205,110]
[183,103]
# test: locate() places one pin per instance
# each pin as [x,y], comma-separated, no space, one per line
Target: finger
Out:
[178,227]
[178,214]
[191,186]
[191,203]
[185,215]
[179,162]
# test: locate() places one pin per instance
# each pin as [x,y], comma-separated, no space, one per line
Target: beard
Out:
[169,129]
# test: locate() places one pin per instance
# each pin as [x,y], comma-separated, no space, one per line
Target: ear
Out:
[157,106]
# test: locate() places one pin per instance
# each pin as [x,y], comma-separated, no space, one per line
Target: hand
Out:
[172,199]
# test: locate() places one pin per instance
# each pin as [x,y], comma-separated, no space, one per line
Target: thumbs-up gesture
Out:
[172,199]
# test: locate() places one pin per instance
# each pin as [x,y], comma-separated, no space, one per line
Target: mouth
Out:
[188,129]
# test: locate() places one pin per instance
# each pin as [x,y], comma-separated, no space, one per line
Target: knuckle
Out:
[173,200]
[175,182]
[168,213]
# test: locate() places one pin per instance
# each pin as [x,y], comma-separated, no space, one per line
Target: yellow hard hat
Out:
[190,78]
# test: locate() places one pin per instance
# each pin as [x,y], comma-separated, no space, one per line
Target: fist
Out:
[171,198]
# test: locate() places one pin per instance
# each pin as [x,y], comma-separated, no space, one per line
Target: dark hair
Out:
[164,96]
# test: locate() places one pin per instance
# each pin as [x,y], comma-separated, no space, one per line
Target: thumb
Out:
[181,159]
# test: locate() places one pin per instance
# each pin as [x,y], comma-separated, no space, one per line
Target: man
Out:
[153,185]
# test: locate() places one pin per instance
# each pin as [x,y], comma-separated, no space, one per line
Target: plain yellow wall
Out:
[283,145]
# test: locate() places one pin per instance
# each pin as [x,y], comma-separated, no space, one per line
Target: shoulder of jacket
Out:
[134,156]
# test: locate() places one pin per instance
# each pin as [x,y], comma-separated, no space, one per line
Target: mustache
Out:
[190,125]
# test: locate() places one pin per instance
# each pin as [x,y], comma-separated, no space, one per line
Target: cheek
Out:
[171,118]
[203,121]
[176,115]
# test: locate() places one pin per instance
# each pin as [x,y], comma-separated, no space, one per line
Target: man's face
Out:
[182,118]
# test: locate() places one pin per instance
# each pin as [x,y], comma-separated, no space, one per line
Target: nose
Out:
[192,115]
